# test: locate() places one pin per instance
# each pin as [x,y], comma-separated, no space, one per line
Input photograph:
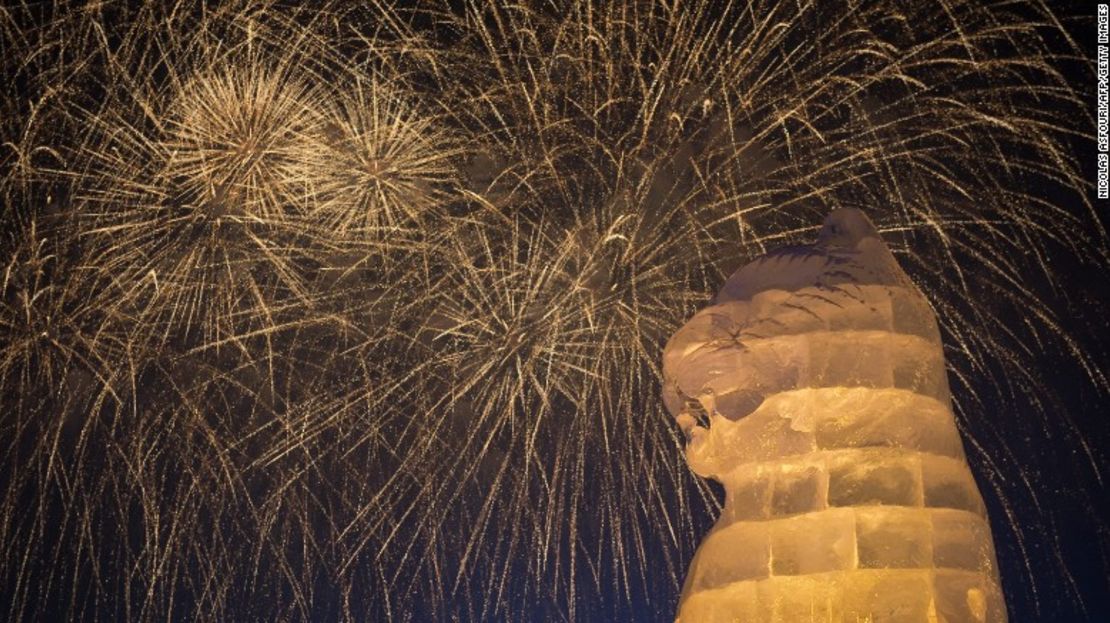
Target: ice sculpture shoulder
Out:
[814,389]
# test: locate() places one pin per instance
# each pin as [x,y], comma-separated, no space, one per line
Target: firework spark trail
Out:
[196,196]
[364,305]
[835,127]
[386,164]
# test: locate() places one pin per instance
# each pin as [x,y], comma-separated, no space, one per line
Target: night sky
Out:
[355,311]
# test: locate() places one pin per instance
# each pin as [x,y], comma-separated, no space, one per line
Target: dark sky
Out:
[148,474]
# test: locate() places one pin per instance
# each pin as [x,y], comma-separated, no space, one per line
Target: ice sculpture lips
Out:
[814,389]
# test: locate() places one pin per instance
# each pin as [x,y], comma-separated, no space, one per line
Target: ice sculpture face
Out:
[814,390]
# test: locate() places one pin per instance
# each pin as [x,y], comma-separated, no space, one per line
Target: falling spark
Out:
[356,311]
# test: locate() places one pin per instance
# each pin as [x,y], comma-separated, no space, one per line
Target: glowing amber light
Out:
[814,390]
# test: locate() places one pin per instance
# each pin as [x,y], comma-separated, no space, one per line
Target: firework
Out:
[393,283]
[385,165]
[197,187]
[238,139]
[59,322]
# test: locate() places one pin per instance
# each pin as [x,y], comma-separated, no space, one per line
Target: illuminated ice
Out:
[814,390]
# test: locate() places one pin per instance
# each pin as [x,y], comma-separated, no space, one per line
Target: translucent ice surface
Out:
[814,389]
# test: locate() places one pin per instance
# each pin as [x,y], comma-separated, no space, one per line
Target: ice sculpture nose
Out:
[820,373]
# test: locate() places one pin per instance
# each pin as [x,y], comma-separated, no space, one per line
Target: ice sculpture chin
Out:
[814,390]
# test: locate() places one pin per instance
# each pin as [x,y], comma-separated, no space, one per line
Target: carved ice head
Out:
[836,313]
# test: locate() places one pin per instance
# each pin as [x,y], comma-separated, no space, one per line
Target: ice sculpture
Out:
[814,389]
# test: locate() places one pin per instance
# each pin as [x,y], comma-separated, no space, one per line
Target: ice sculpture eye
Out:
[814,390]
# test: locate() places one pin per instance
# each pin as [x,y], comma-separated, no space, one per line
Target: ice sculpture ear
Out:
[845,228]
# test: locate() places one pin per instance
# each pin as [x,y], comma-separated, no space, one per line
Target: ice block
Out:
[814,390]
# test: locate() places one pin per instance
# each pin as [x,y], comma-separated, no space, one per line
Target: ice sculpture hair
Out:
[814,389]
